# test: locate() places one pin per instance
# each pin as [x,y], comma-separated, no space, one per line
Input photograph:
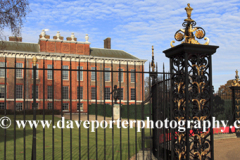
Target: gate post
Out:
[191,79]
[235,102]
[191,92]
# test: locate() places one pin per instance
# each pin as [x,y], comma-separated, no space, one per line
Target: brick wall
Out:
[42,83]
[66,47]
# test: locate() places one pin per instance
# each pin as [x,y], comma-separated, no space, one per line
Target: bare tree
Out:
[12,13]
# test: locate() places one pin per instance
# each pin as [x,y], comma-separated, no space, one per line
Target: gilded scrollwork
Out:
[199,68]
[186,35]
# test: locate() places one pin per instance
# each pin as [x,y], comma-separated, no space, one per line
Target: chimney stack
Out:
[107,43]
[15,39]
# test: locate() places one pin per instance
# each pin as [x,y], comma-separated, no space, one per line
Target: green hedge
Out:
[134,111]
[30,112]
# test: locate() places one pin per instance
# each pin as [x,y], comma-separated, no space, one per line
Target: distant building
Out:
[68,53]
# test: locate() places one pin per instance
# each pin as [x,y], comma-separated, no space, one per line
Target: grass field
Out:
[66,142]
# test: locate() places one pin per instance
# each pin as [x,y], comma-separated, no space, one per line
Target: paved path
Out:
[227,149]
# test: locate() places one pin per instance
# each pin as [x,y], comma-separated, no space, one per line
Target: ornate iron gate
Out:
[235,102]
[183,94]
[53,91]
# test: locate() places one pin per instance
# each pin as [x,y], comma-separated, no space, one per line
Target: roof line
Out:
[116,50]
[18,42]
[65,55]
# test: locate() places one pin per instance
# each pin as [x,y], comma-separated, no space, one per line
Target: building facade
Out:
[70,74]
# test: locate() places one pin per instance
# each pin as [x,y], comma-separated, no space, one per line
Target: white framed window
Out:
[19,73]
[18,106]
[36,71]
[93,74]
[81,73]
[35,106]
[2,70]
[65,106]
[65,73]
[133,94]
[65,92]
[120,75]
[107,75]
[36,92]
[2,91]
[132,75]
[49,92]
[50,105]
[79,107]
[79,92]
[107,93]
[19,91]
[49,72]
[93,92]
[2,105]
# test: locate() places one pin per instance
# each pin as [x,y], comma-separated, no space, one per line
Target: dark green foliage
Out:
[218,106]
[99,109]
[223,110]
[134,111]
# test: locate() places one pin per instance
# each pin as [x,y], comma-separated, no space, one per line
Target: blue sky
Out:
[134,26]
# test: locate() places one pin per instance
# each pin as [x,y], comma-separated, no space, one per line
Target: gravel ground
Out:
[227,149]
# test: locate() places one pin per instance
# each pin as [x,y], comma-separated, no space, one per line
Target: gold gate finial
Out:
[237,77]
[189,12]
[186,35]
[235,82]
[34,59]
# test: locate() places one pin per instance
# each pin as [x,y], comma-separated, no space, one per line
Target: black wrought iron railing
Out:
[26,96]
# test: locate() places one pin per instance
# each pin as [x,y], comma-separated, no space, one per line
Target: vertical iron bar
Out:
[120,110]
[135,108]
[34,113]
[171,108]
[61,110]
[104,109]
[15,109]
[128,110]
[143,128]
[233,106]
[24,112]
[155,82]
[96,109]
[87,111]
[112,111]
[70,79]
[150,113]
[43,108]
[169,111]
[150,102]
[164,113]
[5,109]
[52,108]
[162,116]
[79,111]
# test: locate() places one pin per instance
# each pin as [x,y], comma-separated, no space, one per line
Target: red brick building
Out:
[67,54]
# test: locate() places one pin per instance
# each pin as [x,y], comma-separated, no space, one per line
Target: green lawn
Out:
[66,142]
